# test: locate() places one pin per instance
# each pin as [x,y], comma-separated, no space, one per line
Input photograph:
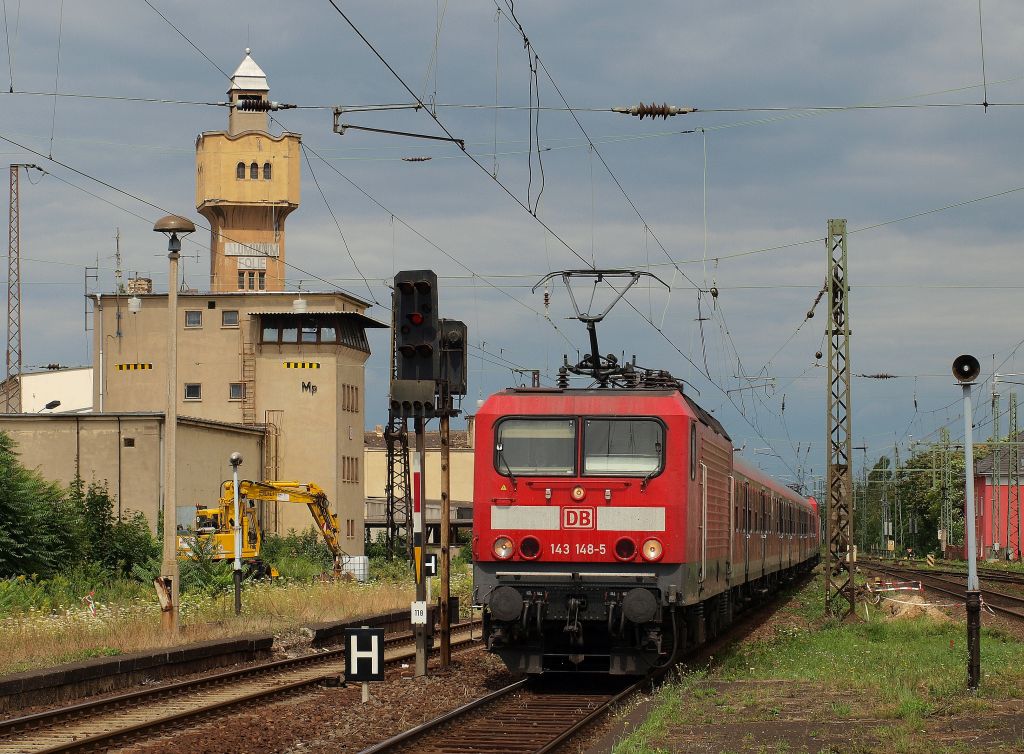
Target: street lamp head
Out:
[966,368]
[172,226]
[235,459]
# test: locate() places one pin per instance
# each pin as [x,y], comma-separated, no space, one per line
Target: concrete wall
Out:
[72,387]
[125,452]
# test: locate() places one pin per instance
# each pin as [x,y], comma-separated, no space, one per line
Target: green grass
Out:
[900,671]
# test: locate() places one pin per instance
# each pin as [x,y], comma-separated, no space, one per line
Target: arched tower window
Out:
[254,171]
[266,171]
[240,171]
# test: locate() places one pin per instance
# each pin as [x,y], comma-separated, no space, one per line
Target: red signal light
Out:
[416,318]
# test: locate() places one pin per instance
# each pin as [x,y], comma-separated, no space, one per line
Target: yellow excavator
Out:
[217,523]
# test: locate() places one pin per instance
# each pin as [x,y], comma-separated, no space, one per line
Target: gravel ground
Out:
[335,720]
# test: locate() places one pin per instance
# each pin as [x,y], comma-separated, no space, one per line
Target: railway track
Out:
[989,574]
[537,716]
[955,586]
[525,717]
[117,720]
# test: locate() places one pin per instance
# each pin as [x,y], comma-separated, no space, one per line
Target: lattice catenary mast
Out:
[13,402]
[839,586]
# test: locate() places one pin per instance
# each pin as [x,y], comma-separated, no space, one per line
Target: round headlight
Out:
[652,549]
[578,493]
[625,549]
[529,548]
[503,548]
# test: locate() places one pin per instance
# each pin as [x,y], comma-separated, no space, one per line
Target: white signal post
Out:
[419,498]
[236,461]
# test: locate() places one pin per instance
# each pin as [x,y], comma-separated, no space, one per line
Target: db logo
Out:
[577,518]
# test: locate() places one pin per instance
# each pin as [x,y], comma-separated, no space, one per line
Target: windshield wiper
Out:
[501,457]
[652,472]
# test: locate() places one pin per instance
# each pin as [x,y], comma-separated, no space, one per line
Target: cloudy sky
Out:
[736,195]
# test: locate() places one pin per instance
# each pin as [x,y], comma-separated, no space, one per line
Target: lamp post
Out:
[236,461]
[49,407]
[966,369]
[167,585]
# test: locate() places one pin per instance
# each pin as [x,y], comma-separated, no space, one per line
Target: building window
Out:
[252,280]
[266,171]
[236,391]
[254,171]
[349,469]
[241,281]
[129,442]
[229,318]
[193,319]
[350,398]
[240,171]
[350,528]
[263,280]
[193,391]
[321,328]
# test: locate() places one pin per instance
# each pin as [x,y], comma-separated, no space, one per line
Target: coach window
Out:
[623,447]
[535,447]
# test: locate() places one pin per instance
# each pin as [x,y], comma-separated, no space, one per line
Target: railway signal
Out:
[429,368]
[453,340]
[966,370]
[416,325]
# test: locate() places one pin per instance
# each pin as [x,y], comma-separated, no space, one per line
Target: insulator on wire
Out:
[416,159]
[248,103]
[654,110]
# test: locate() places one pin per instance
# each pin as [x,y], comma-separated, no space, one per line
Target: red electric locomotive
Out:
[614,528]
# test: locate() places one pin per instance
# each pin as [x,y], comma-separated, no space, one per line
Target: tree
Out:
[31,538]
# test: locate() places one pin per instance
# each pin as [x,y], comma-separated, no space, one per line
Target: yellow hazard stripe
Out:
[302,365]
[132,367]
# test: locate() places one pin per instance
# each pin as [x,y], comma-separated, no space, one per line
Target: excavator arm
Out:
[310,494]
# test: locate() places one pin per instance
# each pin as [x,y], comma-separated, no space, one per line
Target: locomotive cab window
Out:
[535,447]
[623,447]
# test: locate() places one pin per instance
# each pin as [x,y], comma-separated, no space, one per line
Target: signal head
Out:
[966,368]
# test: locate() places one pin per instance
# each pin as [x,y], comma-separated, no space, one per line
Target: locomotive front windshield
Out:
[536,447]
[624,447]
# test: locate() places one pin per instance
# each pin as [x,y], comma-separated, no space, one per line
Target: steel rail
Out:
[992,574]
[959,593]
[437,722]
[13,729]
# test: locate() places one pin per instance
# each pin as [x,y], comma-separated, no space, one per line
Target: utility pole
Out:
[947,481]
[886,512]
[1013,499]
[839,586]
[997,494]
[446,524]
[897,502]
